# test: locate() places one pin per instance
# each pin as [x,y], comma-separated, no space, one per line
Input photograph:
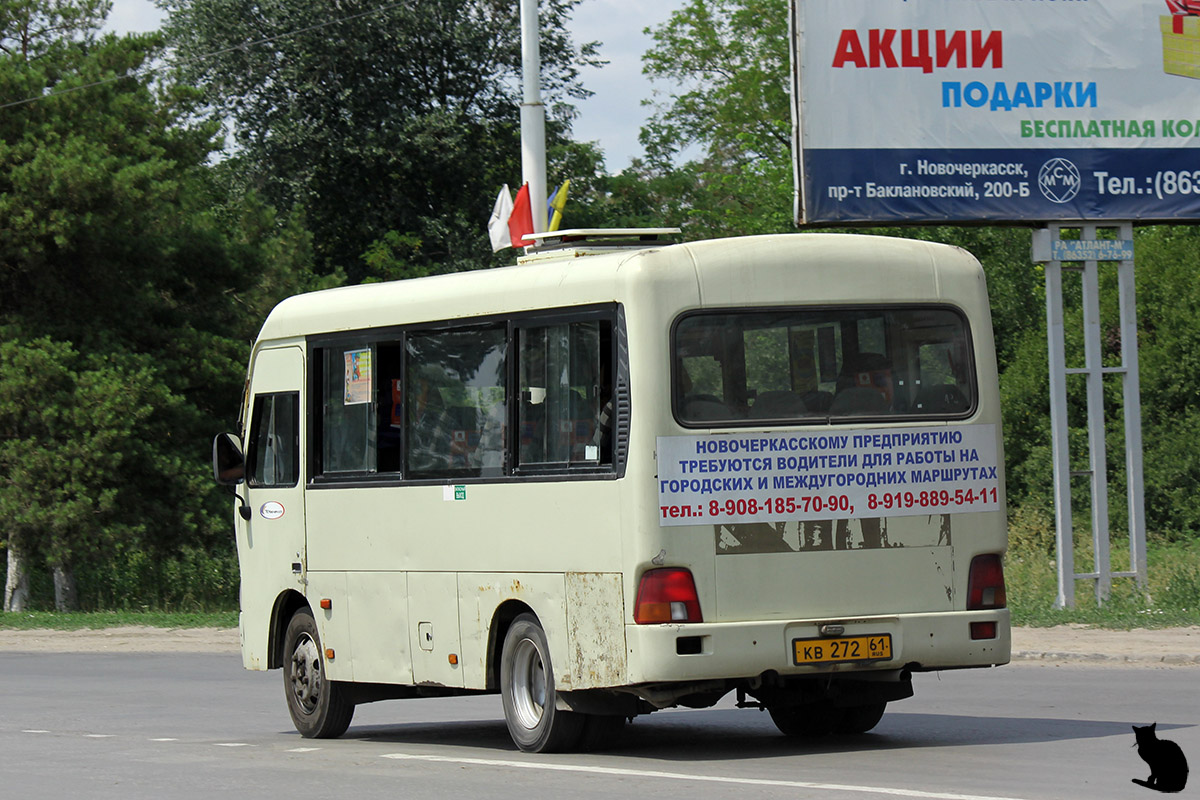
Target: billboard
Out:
[919,111]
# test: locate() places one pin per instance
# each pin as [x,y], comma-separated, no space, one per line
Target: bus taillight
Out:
[667,595]
[985,584]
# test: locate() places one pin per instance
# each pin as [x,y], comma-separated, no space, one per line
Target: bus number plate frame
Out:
[842,650]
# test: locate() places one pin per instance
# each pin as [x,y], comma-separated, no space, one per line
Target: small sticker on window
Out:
[358,377]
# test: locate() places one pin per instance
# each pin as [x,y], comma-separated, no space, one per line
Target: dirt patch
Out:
[1063,643]
[1173,646]
[128,639]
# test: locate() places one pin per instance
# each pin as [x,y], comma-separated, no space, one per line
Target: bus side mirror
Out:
[229,465]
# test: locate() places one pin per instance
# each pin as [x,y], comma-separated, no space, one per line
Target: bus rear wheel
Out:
[859,719]
[319,707]
[527,689]
[820,719]
[803,720]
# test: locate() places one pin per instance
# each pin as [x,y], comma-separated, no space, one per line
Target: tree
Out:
[1168,299]
[70,432]
[729,59]
[128,281]
[390,125]
[31,29]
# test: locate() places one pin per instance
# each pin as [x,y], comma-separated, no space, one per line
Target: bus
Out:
[624,475]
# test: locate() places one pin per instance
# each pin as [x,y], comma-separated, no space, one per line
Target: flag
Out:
[554,206]
[498,222]
[520,222]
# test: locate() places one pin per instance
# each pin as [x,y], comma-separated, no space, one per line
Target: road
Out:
[105,725]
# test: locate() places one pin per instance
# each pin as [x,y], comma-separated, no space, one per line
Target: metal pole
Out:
[1097,458]
[533,115]
[1060,446]
[1135,488]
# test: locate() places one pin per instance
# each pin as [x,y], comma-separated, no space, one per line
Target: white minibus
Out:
[626,475]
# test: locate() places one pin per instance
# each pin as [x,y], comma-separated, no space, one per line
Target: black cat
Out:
[1168,767]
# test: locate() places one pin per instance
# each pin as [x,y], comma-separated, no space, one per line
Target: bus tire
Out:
[600,732]
[859,719]
[319,707]
[804,720]
[527,689]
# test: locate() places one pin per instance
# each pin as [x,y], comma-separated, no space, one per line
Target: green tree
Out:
[729,59]
[126,270]
[1168,298]
[391,125]
[729,62]
[71,429]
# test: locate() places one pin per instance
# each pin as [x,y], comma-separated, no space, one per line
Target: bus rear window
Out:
[818,365]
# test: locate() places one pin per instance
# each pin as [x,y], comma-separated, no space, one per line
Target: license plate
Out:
[842,650]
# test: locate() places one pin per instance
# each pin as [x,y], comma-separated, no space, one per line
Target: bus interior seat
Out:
[940,398]
[817,400]
[777,405]
[858,400]
[703,408]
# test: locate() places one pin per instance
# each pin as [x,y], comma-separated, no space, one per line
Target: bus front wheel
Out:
[527,688]
[319,707]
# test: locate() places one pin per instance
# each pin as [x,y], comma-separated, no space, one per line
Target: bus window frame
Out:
[820,419]
[512,471]
[254,439]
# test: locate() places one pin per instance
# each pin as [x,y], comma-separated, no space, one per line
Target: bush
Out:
[1171,596]
[136,580]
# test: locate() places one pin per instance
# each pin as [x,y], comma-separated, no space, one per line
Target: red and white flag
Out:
[498,222]
[520,222]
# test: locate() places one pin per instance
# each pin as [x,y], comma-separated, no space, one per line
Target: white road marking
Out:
[164,740]
[99,735]
[232,744]
[303,749]
[680,776]
[34,731]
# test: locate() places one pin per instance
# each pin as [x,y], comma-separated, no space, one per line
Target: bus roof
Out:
[816,267]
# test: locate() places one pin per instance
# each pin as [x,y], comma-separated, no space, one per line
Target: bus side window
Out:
[390,407]
[348,416]
[566,413]
[455,402]
[273,448]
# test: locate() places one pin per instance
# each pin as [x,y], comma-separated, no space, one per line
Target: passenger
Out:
[864,386]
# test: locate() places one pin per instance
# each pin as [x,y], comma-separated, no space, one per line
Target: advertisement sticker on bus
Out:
[822,475]
[358,377]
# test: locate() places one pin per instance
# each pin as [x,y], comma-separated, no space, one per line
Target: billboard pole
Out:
[1132,402]
[1085,254]
[1059,440]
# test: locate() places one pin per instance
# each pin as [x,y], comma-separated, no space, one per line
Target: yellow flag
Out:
[554,206]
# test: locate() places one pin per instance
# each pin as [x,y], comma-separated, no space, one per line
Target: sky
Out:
[612,116]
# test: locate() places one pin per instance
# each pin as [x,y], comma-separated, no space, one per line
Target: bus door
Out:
[271,543]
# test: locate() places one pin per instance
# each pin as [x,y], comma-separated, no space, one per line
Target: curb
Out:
[1170,659]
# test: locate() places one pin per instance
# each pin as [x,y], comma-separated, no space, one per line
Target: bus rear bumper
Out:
[734,650]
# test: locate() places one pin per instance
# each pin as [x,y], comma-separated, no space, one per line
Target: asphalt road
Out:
[105,725]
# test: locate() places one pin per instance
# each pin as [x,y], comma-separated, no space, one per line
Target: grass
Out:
[71,621]
[1170,599]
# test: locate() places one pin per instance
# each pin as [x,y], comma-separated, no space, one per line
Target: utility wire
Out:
[204,56]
